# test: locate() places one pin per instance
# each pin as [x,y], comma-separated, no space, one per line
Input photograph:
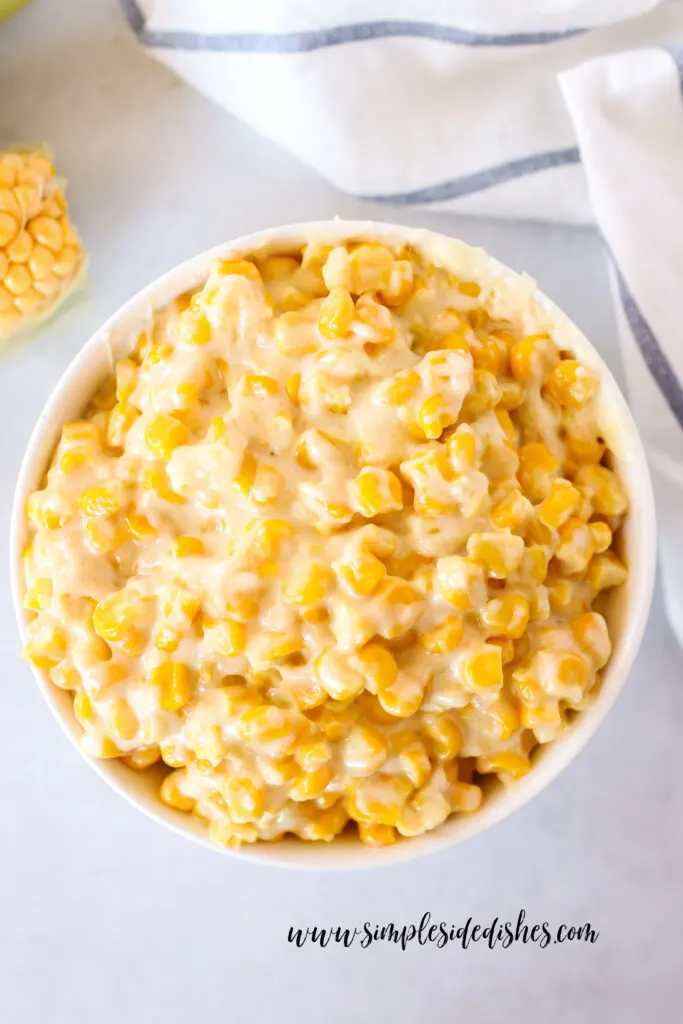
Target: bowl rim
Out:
[340,854]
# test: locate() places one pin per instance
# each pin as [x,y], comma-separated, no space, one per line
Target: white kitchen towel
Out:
[555,109]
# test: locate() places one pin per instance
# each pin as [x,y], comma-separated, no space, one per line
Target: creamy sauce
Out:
[306,555]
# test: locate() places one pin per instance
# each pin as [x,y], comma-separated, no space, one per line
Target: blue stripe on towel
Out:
[657,362]
[481,180]
[337,35]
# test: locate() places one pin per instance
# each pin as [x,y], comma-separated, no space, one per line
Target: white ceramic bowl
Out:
[628,610]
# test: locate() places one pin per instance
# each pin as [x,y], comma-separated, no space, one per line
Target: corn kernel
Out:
[371,266]
[570,383]
[512,512]
[403,697]
[268,727]
[537,465]
[485,394]
[39,596]
[83,709]
[124,722]
[174,680]
[373,834]
[308,583]
[377,491]
[558,505]
[461,581]
[139,526]
[188,547]
[605,571]
[164,434]
[173,796]
[445,738]
[444,638]
[532,357]
[339,680]
[505,763]
[336,314]
[507,615]
[434,416]
[604,489]
[104,500]
[499,553]
[155,478]
[576,547]
[482,670]
[227,637]
[401,388]
[143,758]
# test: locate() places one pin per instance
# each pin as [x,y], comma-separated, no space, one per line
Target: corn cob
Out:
[41,256]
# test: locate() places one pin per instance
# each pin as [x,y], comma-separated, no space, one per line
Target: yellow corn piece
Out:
[489,354]
[336,314]
[537,465]
[444,736]
[310,785]
[376,835]
[464,448]
[363,573]
[557,506]
[227,637]
[603,488]
[434,415]
[482,669]
[270,728]
[124,722]
[83,709]
[245,799]
[193,328]
[378,800]
[39,596]
[370,266]
[173,796]
[337,677]
[499,553]
[188,547]
[41,256]
[601,534]
[485,394]
[577,545]
[143,758]
[504,718]
[175,683]
[403,697]
[401,388]
[139,526]
[505,763]
[104,500]
[605,571]
[164,434]
[308,583]
[532,357]
[444,638]
[377,491]
[512,512]
[507,615]
[590,632]
[571,383]
[401,284]
[46,648]
[512,394]
[461,581]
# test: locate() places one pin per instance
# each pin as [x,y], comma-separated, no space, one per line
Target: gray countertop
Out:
[104,915]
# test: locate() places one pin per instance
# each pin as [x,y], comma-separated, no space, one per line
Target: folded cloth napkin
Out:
[564,110]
